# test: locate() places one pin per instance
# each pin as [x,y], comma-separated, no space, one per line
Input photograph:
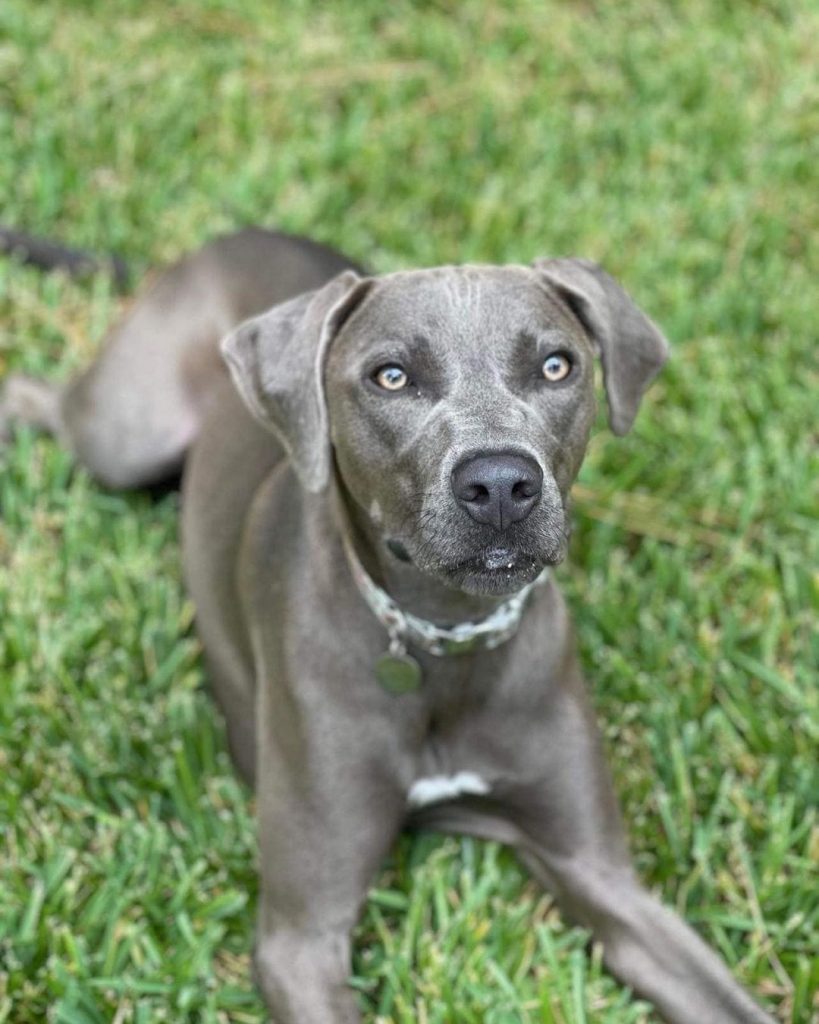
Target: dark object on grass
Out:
[39,252]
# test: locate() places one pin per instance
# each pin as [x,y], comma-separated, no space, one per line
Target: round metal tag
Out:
[398,673]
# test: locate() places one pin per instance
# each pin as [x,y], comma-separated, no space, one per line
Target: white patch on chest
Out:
[375,512]
[445,787]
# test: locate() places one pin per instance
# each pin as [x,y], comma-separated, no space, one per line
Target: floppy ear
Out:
[633,349]
[277,363]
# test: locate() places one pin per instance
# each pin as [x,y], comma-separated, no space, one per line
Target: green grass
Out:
[676,143]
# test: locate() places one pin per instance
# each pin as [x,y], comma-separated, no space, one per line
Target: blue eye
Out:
[391,378]
[556,367]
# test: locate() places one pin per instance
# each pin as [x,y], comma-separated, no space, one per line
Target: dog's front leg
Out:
[572,841]
[645,944]
[302,972]
[329,809]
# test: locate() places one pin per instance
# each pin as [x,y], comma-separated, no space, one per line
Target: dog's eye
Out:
[556,367]
[391,378]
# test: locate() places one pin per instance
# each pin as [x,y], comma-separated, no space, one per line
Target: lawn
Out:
[677,144]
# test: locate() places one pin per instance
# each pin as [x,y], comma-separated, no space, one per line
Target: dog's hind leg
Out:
[130,418]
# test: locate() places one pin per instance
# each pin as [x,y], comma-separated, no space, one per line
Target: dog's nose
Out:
[498,489]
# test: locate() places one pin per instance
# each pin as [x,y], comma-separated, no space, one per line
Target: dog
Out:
[376,480]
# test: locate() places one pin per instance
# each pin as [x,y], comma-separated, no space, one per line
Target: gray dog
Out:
[373,497]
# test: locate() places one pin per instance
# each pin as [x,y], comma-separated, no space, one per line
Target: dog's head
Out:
[457,403]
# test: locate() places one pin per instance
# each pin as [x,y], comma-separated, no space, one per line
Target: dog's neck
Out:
[415,591]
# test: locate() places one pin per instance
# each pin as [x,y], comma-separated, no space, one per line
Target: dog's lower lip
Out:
[513,566]
[499,558]
[474,578]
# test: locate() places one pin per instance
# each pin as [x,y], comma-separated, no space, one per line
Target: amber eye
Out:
[391,378]
[556,367]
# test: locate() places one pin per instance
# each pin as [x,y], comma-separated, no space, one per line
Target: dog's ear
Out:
[277,363]
[632,348]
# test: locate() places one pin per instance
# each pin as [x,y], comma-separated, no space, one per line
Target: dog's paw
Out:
[27,401]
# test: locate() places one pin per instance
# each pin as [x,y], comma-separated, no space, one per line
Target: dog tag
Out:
[398,673]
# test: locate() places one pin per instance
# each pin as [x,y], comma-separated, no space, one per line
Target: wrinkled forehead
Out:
[457,307]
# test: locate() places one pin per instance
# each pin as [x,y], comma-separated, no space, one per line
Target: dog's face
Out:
[456,403]
[460,403]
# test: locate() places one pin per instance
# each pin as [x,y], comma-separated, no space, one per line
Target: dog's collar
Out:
[404,628]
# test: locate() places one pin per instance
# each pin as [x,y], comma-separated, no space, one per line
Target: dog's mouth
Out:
[495,570]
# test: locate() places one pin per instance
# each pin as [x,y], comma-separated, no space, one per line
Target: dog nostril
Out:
[476,494]
[525,489]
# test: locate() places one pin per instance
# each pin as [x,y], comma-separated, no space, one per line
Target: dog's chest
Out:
[454,759]
[431,789]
